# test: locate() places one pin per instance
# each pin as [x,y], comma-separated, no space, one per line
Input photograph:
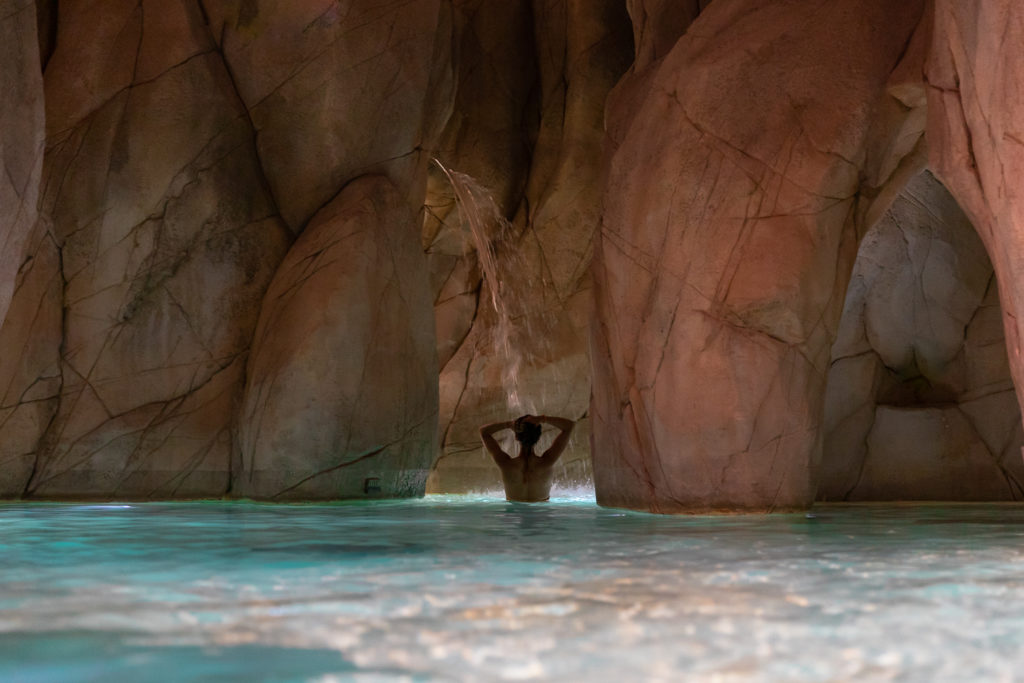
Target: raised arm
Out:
[487,435]
[554,452]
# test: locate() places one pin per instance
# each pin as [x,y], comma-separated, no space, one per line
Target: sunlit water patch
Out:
[474,588]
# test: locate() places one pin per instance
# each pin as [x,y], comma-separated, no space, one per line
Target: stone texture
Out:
[342,381]
[30,376]
[727,238]
[750,146]
[337,90]
[920,404]
[24,410]
[976,138]
[21,136]
[929,453]
[546,181]
[167,239]
[658,24]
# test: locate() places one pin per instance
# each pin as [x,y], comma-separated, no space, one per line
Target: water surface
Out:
[474,588]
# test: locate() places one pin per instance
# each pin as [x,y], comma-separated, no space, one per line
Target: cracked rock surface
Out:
[337,90]
[678,192]
[976,133]
[920,403]
[330,410]
[165,241]
[726,238]
[23,410]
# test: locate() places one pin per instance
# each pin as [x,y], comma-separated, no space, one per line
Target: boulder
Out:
[341,389]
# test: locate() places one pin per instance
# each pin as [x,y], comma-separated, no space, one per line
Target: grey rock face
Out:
[920,402]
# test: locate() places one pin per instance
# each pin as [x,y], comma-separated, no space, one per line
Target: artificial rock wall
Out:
[920,404]
[188,145]
[744,166]
[231,265]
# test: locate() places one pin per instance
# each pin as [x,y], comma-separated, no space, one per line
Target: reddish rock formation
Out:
[727,238]
[976,138]
[749,147]
[341,390]
[658,24]
[920,404]
[337,90]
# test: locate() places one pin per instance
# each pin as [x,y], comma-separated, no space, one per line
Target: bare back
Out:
[528,477]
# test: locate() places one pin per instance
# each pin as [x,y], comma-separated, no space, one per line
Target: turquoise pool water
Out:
[474,588]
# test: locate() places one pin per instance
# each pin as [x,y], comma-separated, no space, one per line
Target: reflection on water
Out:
[473,588]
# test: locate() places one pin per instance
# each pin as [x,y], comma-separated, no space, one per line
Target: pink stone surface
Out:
[727,235]
[976,138]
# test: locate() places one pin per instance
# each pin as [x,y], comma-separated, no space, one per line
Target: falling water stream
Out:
[508,278]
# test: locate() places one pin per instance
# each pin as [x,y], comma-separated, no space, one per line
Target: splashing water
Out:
[506,272]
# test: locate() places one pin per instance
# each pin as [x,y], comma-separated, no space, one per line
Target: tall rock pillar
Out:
[976,138]
[736,183]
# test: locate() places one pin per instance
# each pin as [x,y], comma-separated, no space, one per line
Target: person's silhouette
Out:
[527,478]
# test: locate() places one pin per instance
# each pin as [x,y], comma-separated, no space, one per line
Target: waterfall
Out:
[507,276]
[526,318]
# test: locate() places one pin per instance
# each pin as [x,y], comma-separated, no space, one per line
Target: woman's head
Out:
[527,432]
